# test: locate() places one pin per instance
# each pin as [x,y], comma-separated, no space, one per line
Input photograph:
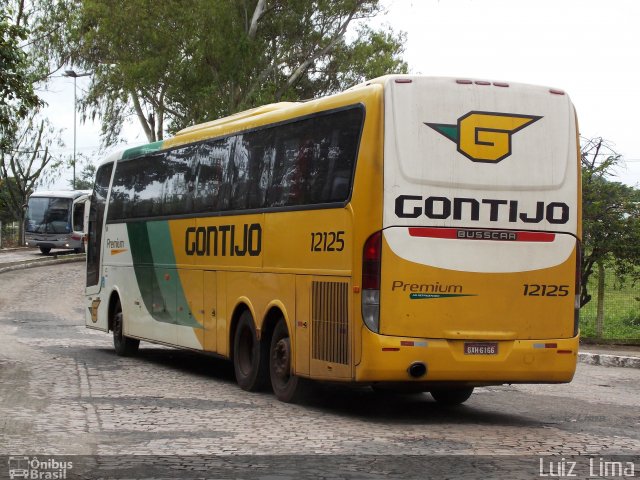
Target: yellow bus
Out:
[410,232]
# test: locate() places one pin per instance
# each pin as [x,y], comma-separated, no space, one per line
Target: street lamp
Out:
[74,75]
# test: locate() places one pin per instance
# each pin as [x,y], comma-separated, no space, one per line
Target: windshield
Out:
[49,215]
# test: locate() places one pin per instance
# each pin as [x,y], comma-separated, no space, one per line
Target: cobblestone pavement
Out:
[20,258]
[64,391]
[14,255]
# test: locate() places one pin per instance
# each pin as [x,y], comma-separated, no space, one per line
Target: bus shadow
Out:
[365,404]
[184,361]
[200,364]
[359,402]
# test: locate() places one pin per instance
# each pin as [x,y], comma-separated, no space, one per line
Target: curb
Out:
[37,263]
[608,360]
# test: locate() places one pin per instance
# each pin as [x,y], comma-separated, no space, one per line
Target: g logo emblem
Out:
[484,136]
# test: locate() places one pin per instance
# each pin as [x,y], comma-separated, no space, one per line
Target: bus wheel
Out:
[45,250]
[250,362]
[452,396]
[287,387]
[124,346]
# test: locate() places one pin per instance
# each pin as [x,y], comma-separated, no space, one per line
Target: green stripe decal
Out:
[452,132]
[154,264]
[428,296]
[142,267]
[141,150]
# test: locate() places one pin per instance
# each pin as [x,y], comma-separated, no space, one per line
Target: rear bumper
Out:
[387,359]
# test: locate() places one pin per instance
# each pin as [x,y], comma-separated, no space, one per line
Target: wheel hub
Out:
[281,358]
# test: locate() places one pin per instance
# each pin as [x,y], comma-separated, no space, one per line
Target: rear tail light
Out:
[371,256]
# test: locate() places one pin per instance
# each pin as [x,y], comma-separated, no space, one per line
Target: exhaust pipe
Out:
[417,369]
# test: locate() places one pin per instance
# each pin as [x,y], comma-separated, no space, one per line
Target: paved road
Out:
[64,391]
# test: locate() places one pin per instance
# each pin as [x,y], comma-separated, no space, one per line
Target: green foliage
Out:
[32,32]
[7,186]
[17,96]
[84,179]
[632,319]
[24,163]
[611,217]
[621,309]
[172,64]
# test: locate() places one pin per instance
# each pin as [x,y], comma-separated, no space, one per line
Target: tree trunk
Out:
[147,126]
[21,238]
[600,305]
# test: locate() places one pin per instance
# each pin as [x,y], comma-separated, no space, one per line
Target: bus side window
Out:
[240,175]
[259,150]
[78,216]
[96,216]
[176,187]
[344,155]
[207,174]
[314,160]
[227,147]
[276,188]
[122,191]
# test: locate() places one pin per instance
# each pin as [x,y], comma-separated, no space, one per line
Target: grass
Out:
[621,309]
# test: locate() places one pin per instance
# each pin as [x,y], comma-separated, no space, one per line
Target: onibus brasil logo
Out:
[484,136]
[38,469]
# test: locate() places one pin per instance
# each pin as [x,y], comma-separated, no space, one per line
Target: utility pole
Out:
[74,75]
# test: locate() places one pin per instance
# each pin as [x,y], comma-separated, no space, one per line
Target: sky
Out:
[588,48]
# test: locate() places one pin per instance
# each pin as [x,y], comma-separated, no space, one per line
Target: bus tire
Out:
[45,250]
[452,396]
[287,387]
[124,346]
[250,362]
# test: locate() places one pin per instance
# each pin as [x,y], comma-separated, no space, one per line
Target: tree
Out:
[17,97]
[172,66]
[6,213]
[24,162]
[611,218]
[84,180]
[30,29]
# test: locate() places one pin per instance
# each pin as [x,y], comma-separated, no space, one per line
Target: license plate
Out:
[481,348]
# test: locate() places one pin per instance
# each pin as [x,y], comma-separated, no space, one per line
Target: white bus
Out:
[57,219]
